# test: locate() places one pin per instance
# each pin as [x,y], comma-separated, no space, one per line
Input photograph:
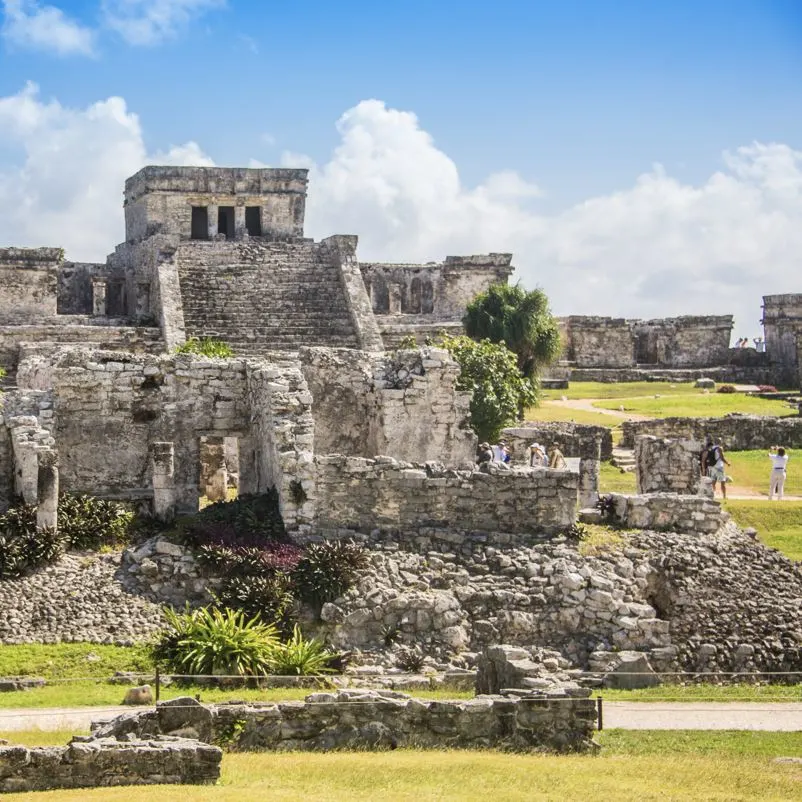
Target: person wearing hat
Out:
[485,454]
[500,453]
[556,459]
[537,456]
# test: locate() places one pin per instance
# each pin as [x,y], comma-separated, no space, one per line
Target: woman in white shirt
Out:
[778,463]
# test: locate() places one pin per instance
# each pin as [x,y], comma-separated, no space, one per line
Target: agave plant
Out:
[301,657]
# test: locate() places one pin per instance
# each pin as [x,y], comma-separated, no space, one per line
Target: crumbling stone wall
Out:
[668,512]
[106,762]
[29,278]
[734,432]
[75,287]
[401,404]
[377,720]
[440,290]
[364,494]
[782,324]
[574,439]
[664,465]
[681,342]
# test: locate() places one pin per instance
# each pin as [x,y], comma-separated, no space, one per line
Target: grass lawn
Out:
[779,524]
[71,660]
[619,390]
[612,480]
[642,766]
[707,693]
[752,469]
[549,412]
[695,404]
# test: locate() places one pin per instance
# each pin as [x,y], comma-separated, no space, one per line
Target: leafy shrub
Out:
[89,523]
[247,521]
[301,657]
[250,560]
[269,596]
[606,506]
[22,548]
[766,388]
[407,343]
[726,388]
[409,660]
[327,570]
[205,346]
[210,641]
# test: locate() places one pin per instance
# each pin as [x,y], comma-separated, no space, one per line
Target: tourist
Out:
[779,461]
[713,462]
[745,342]
[760,345]
[738,343]
[501,453]
[556,459]
[537,456]
[485,454]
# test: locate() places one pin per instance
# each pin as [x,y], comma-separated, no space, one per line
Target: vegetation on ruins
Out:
[521,319]
[84,523]
[205,346]
[327,570]
[489,371]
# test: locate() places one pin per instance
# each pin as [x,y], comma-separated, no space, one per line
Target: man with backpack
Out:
[713,462]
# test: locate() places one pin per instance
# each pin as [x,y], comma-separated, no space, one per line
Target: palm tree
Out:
[520,319]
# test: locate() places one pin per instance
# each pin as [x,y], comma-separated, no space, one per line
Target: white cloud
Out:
[658,248]
[27,24]
[67,189]
[148,22]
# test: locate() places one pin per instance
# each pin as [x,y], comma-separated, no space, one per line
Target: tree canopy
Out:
[489,371]
[521,319]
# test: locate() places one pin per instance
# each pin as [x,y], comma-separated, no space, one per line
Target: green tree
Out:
[520,319]
[489,371]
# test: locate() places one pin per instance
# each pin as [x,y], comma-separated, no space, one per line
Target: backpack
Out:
[713,455]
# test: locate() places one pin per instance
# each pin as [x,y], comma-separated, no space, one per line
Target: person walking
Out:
[713,460]
[779,461]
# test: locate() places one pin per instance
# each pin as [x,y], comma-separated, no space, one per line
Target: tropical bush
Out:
[22,548]
[726,388]
[269,596]
[766,388]
[211,641]
[205,346]
[499,391]
[409,660]
[89,523]
[327,570]
[301,657]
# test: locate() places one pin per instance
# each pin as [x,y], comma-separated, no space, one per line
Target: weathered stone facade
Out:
[668,466]
[782,323]
[107,762]
[377,720]
[734,432]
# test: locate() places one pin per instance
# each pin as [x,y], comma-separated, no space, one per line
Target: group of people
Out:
[538,456]
[713,462]
[743,342]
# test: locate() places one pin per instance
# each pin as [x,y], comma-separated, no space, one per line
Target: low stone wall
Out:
[734,374]
[574,439]
[375,720]
[668,512]
[105,762]
[734,432]
[366,494]
[664,465]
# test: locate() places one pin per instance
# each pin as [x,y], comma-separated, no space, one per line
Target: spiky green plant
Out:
[301,657]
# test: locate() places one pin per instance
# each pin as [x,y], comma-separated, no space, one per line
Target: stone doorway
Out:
[219,478]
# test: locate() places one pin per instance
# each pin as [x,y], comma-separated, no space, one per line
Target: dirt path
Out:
[776,717]
[586,404]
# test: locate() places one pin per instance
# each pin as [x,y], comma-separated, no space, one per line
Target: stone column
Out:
[247,467]
[212,212]
[395,299]
[47,490]
[99,297]
[162,461]
[142,299]
[588,482]
[240,231]
[214,471]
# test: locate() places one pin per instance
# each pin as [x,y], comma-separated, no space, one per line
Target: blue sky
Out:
[578,97]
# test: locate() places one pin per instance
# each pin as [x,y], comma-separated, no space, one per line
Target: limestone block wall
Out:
[599,342]
[75,287]
[668,512]
[735,432]
[106,762]
[29,278]
[159,200]
[782,325]
[378,720]
[574,439]
[6,467]
[665,465]
[401,404]
[441,290]
[365,494]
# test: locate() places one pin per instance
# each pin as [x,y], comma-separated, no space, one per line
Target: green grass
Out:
[599,540]
[612,480]
[619,390]
[697,405]
[752,468]
[632,767]
[547,412]
[71,660]
[707,692]
[779,524]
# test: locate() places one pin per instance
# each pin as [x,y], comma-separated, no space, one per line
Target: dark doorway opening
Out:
[646,349]
[427,298]
[225,221]
[219,469]
[381,295]
[200,222]
[253,220]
